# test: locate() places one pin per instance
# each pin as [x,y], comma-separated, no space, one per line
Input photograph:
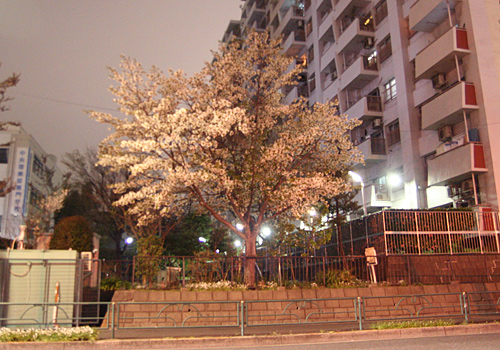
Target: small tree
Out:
[340,206]
[148,259]
[224,140]
[72,232]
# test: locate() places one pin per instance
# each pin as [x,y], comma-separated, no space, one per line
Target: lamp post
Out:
[357,178]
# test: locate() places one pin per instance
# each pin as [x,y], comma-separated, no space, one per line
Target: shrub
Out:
[114,283]
[48,335]
[72,232]
[338,279]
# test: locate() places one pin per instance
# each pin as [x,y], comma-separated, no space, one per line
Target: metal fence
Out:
[329,271]
[394,232]
[40,281]
[133,319]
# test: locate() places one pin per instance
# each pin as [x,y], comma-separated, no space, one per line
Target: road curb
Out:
[210,342]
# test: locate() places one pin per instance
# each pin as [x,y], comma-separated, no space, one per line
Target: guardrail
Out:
[242,315]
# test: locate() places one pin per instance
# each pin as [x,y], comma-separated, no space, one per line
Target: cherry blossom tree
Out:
[224,140]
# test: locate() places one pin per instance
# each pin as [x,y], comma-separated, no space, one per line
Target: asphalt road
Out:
[459,342]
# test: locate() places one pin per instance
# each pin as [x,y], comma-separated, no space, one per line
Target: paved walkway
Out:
[212,342]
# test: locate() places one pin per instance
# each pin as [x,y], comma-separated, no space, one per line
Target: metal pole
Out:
[418,235]
[113,320]
[363,198]
[242,319]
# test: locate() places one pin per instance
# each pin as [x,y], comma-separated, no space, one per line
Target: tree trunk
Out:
[250,260]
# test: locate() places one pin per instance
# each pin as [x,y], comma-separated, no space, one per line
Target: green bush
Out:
[48,335]
[114,283]
[72,232]
[338,279]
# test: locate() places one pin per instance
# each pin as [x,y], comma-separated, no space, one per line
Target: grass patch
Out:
[48,335]
[411,324]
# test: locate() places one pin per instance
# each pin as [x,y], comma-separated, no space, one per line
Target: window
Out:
[310,54]
[312,83]
[309,27]
[4,155]
[385,49]
[380,11]
[393,134]
[390,90]
[38,167]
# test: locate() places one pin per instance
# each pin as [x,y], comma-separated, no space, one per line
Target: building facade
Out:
[422,76]
[25,167]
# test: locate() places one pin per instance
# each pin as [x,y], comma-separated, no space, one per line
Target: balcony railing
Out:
[365,23]
[456,163]
[447,108]
[438,56]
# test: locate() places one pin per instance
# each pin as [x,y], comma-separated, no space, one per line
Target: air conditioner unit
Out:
[87,260]
[382,196]
[438,81]
[445,133]
[377,123]
[467,186]
[368,43]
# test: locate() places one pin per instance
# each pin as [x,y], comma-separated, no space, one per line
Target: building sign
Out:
[18,196]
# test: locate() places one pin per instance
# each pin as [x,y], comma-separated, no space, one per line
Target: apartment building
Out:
[422,76]
[24,165]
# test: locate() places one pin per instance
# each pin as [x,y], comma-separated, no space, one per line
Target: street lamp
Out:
[357,178]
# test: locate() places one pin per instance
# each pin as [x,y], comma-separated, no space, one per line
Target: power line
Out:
[66,102]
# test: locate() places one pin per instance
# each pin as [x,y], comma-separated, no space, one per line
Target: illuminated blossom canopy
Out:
[223,139]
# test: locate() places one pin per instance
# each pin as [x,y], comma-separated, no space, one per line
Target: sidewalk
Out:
[209,342]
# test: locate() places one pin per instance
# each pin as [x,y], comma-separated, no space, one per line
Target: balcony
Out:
[359,72]
[425,15]
[368,107]
[456,164]
[448,108]
[295,42]
[290,20]
[328,56]
[373,150]
[294,93]
[255,13]
[376,196]
[439,56]
[354,36]
[346,6]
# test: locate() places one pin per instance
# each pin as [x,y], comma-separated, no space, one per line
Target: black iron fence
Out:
[331,271]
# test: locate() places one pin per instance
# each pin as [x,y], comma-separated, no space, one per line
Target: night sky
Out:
[62,49]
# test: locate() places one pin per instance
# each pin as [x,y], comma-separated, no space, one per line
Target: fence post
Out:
[242,317]
[495,225]
[385,232]
[133,270]
[113,320]
[418,235]
[479,231]
[466,307]
[183,271]
[449,234]
[360,314]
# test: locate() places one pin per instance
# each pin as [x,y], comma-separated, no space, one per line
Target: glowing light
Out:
[129,240]
[239,226]
[394,179]
[266,231]
[237,243]
[202,240]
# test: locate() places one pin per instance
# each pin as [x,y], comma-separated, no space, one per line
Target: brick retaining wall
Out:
[176,308]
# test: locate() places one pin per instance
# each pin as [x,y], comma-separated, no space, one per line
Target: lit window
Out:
[390,90]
